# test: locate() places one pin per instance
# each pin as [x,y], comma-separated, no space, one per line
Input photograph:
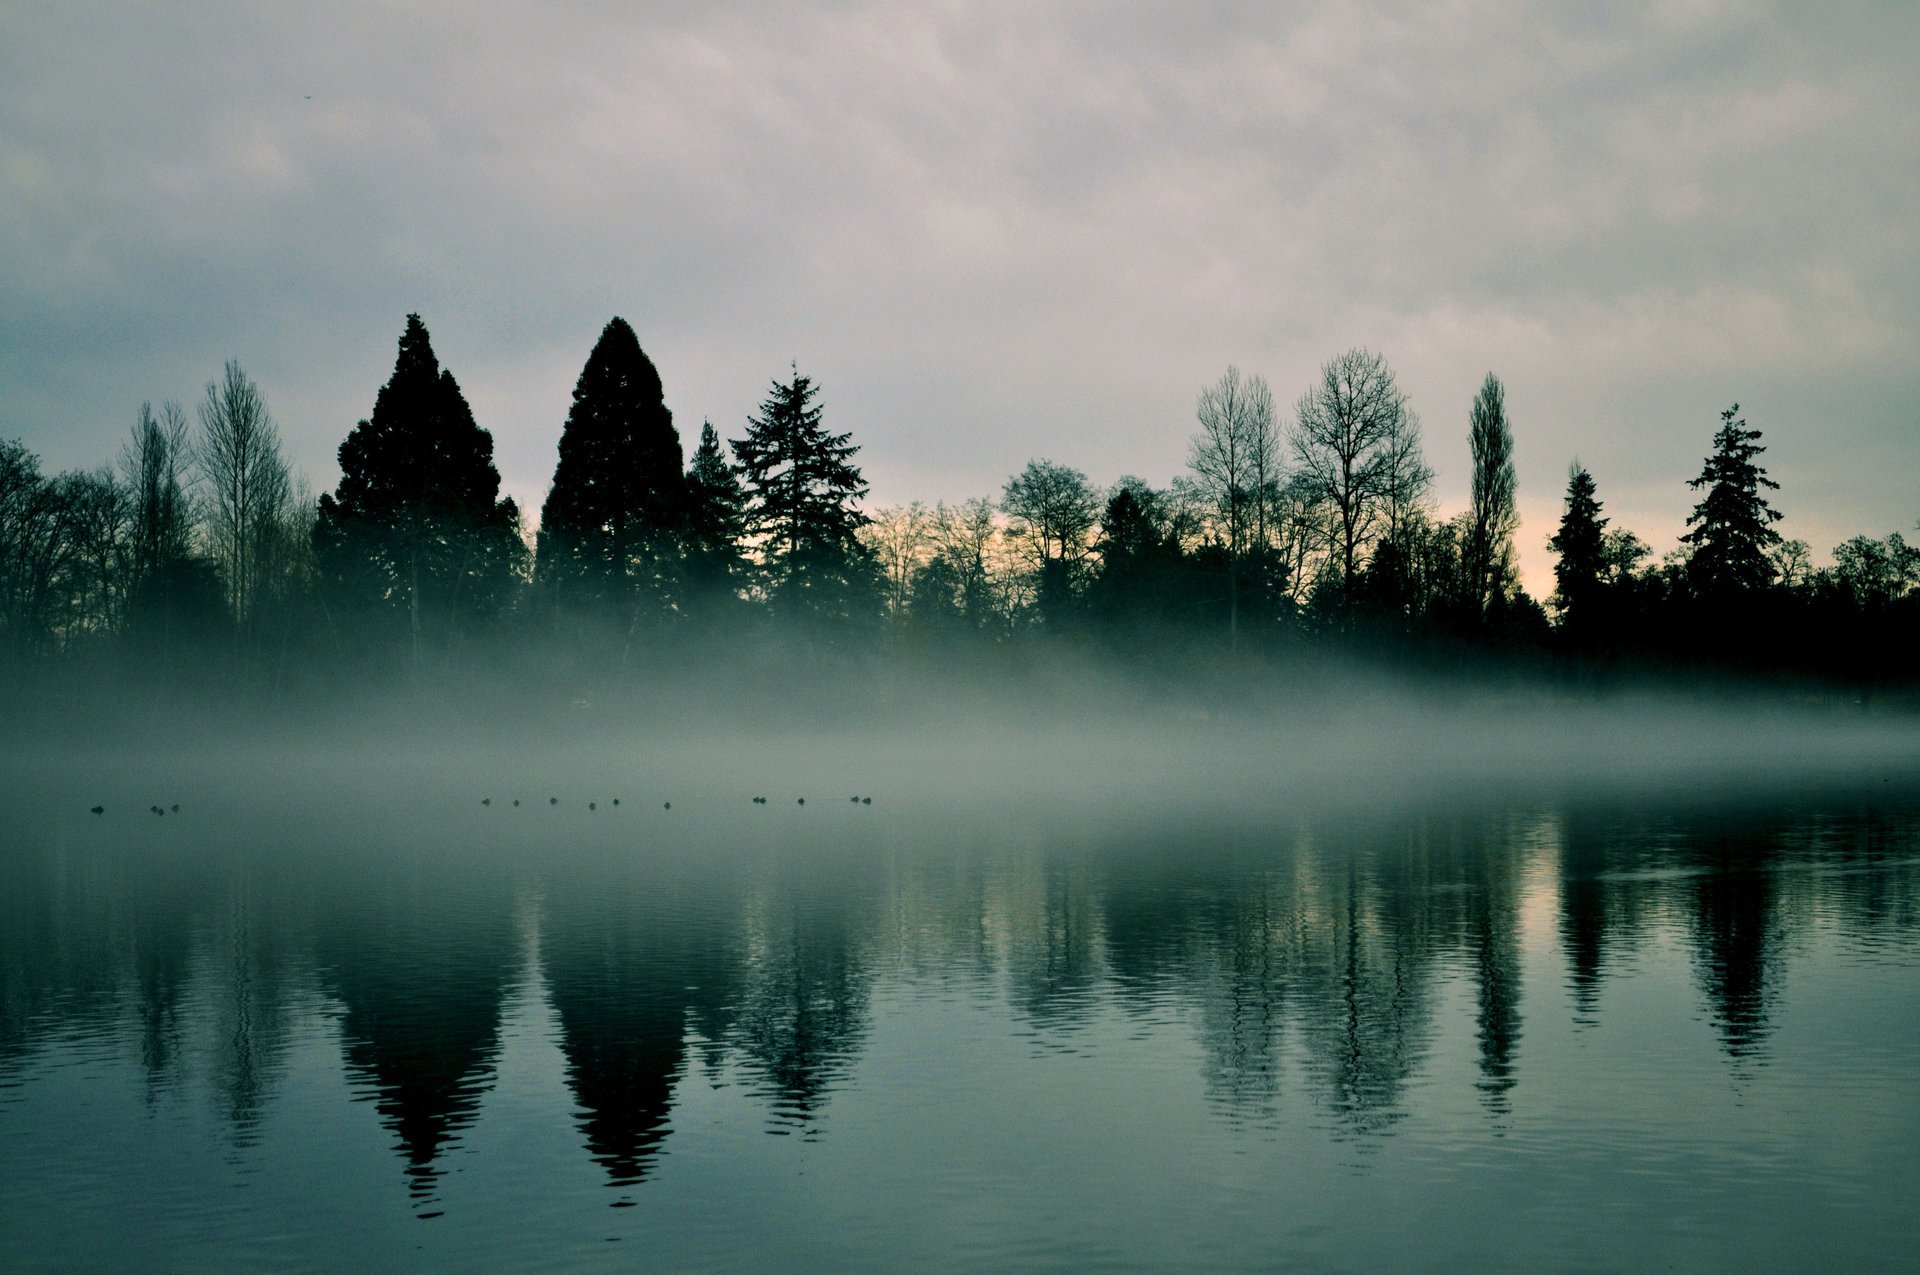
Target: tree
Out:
[34,548]
[1233,459]
[1875,574]
[417,528]
[153,466]
[967,539]
[801,483]
[1496,517]
[1052,508]
[1140,558]
[716,524]
[1732,526]
[1342,427]
[609,531]
[898,536]
[247,486]
[1581,572]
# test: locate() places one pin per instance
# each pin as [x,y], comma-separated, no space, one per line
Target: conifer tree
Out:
[716,522]
[609,531]
[801,483]
[1580,542]
[417,528]
[1732,526]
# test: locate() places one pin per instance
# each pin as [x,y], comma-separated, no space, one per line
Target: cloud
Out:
[992,231]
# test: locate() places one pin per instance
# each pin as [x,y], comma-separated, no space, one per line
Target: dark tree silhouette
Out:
[1495,516]
[716,525]
[609,529]
[1053,507]
[801,483]
[1344,429]
[417,528]
[1732,526]
[1580,574]
[1140,577]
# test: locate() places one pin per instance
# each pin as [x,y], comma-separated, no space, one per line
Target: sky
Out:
[992,231]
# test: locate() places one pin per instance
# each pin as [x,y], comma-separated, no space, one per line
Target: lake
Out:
[335,1025]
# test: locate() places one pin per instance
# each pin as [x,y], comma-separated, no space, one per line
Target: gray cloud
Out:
[991,231]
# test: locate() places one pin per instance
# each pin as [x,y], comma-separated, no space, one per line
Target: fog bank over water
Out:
[1071,747]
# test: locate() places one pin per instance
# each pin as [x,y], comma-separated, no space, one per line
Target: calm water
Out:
[1537,1031]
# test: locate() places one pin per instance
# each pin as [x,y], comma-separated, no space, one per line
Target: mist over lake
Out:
[1095,995]
[991,637]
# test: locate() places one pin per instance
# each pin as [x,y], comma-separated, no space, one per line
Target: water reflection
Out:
[420,965]
[1316,953]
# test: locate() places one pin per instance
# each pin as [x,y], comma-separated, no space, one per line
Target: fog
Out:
[1029,743]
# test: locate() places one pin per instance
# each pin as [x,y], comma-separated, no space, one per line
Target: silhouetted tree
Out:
[417,528]
[1233,457]
[1732,526]
[609,531]
[1580,574]
[1140,576]
[801,483]
[1343,425]
[716,525]
[248,487]
[967,539]
[1052,508]
[1496,517]
[153,465]
[899,538]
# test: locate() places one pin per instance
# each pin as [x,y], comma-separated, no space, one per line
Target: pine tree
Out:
[609,531]
[801,484]
[1580,574]
[1733,524]
[716,522]
[416,527]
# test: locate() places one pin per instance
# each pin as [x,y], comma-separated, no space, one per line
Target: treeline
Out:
[201,556]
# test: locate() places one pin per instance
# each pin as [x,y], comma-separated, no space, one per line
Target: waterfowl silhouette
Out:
[866,801]
[592,806]
[99,810]
[176,807]
[553,801]
[616,801]
[486,801]
[803,801]
[666,805]
[516,801]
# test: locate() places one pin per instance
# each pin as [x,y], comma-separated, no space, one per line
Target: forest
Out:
[199,564]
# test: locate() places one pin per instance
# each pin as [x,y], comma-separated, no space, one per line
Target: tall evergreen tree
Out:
[801,484]
[1495,515]
[609,531]
[417,528]
[1732,526]
[716,523]
[1581,572]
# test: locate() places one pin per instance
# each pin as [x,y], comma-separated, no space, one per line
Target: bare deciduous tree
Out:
[1342,431]
[248,487]
[968,537]
[1054,508]
[899,536]
[153,467]
[1233,461]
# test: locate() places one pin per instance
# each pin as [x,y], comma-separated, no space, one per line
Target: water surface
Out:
[1528,1030]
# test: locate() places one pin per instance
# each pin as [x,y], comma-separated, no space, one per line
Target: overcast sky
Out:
[992,231]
